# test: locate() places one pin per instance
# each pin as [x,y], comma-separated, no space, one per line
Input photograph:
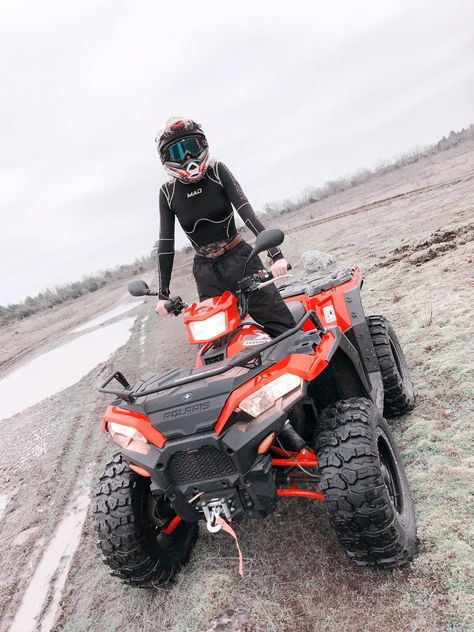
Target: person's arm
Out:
[165,255]
[242,205]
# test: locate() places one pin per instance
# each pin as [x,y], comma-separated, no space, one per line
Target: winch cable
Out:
[228,529]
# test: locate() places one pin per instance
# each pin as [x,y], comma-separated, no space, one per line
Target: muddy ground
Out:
[411,231]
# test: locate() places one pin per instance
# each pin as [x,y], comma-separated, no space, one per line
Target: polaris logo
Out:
[186,410]
[193,193]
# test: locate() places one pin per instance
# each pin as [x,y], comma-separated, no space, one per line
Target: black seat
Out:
[297,310]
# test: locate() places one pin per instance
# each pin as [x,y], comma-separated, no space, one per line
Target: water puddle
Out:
[59,368]
[142,331]
[105,316]
[23,537]
[47,583]
[4,500]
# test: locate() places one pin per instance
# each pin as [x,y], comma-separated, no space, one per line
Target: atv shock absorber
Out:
[289,434]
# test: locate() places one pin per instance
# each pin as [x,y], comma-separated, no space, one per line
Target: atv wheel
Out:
[365,484]
[129,523]
[399,395]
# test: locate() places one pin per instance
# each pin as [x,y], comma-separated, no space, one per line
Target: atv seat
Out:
[313,285]
[297,309]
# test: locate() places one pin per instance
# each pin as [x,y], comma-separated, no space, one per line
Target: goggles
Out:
[191,146]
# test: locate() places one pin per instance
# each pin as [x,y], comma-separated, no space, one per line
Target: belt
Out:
[214,254]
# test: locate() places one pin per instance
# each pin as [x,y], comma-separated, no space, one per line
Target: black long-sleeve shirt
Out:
[205,210]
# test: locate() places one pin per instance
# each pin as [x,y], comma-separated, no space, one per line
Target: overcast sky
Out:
[290,94]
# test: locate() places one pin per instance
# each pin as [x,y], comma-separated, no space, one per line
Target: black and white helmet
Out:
[183,149]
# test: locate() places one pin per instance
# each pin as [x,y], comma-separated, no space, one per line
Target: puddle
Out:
[4,500]
[59,368]
[142,329]
[23,537]
[50,575]
[102,318]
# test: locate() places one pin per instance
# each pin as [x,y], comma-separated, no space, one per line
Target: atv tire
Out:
[365,485]
[132,544]
[399,394]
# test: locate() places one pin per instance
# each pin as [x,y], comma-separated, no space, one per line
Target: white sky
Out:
[290,93]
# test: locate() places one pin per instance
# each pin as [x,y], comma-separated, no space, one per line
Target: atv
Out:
[258,419]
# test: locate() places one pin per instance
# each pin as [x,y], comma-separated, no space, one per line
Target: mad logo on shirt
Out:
[193,193]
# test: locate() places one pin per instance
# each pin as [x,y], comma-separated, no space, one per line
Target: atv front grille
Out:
[198,465]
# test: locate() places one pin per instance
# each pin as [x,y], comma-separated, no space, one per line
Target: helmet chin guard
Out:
[190,171]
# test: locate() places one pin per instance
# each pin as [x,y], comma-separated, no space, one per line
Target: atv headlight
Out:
[128,437]
[266,397]
[212,327]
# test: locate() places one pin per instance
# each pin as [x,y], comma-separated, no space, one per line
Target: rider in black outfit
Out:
[203,195]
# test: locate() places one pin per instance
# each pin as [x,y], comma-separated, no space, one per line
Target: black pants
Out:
[214,276]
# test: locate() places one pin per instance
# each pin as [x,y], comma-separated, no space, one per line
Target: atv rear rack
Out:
[127,394]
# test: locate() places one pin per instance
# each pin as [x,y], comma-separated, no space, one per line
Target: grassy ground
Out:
[297,576]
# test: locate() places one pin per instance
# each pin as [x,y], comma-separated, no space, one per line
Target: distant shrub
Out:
[312,194]
[70,291]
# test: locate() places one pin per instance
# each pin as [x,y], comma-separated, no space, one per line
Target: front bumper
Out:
[225,466]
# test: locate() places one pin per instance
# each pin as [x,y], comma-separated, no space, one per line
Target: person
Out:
[202,195]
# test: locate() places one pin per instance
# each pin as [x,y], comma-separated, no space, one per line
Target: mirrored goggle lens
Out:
[186,147]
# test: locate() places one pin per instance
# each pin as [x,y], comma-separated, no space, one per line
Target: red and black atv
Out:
[259,418]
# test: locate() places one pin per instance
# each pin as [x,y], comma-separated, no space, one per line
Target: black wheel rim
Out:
[158,513]
[390,476]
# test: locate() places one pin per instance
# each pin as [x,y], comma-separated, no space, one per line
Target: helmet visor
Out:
[179,151]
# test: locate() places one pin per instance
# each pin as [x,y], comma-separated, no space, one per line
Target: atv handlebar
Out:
[175,305]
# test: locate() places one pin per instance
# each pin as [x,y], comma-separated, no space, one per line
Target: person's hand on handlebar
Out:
[279,268]
[160,308]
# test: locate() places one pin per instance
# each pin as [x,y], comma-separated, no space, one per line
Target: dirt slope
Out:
[411,231]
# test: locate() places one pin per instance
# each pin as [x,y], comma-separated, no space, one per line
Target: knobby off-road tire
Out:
[131,542]
[365,484]
[399,394]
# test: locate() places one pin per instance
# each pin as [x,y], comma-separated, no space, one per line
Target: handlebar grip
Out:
[290,267]
[175,305]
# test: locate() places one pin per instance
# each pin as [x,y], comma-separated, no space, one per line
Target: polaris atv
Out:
[258,419]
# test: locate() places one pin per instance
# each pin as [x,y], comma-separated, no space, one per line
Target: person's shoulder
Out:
[169,184]
[168,188]
[216,170]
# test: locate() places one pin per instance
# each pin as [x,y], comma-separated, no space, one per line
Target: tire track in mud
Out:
[41,598]
[39,586]
[42,582]
[437,244]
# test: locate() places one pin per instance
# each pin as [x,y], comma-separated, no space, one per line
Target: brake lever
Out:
[265,283]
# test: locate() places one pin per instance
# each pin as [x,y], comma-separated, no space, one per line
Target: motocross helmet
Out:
[183,149]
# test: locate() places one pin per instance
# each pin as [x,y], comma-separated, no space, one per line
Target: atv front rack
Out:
[127,394]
